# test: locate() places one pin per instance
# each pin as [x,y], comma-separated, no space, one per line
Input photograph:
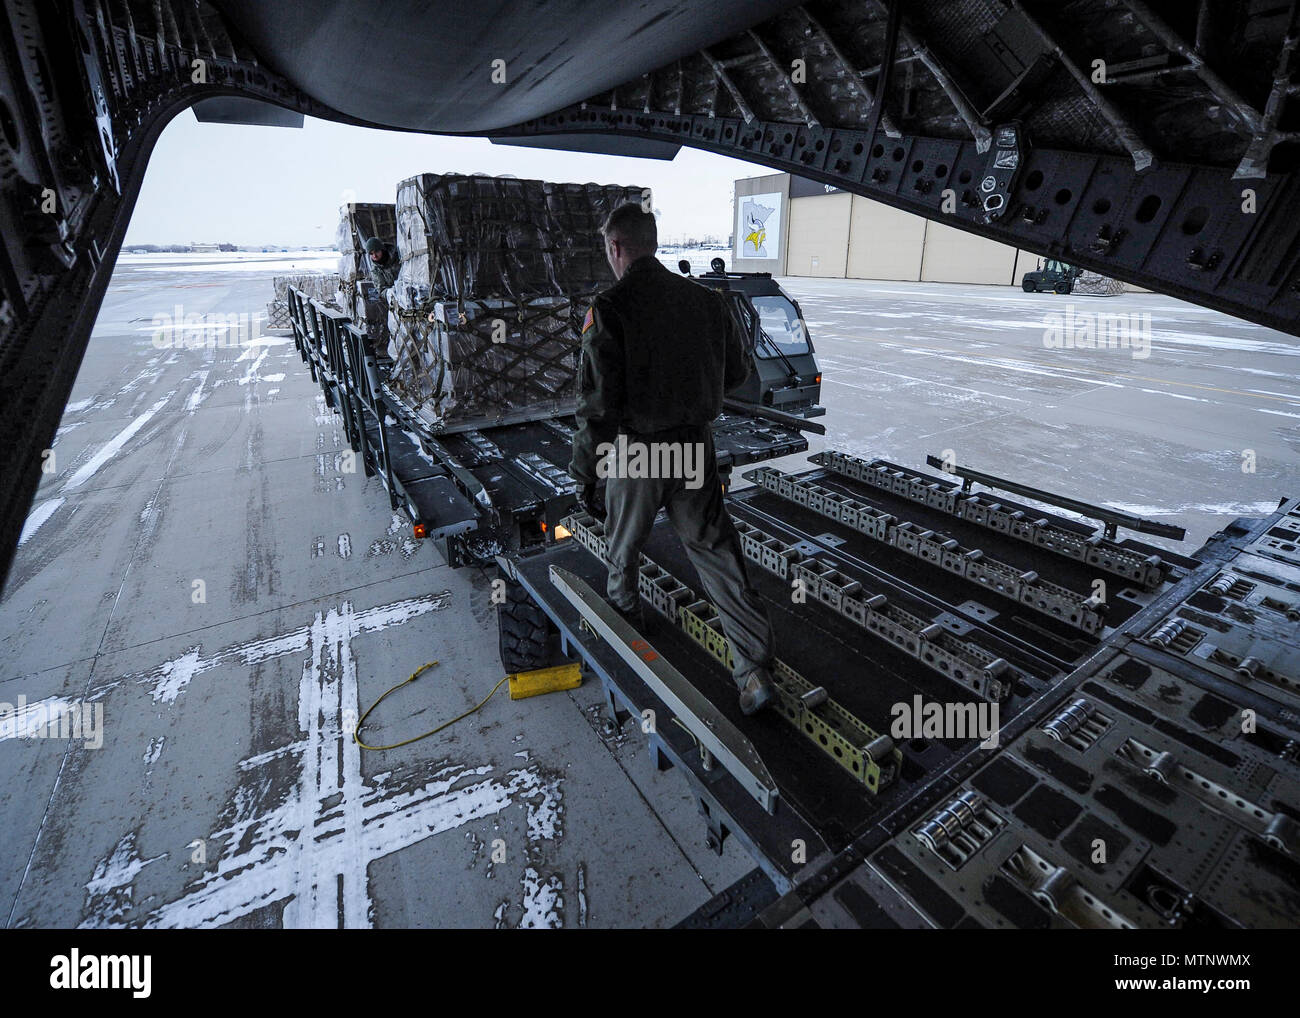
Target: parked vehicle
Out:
[1053,276]
[785,375]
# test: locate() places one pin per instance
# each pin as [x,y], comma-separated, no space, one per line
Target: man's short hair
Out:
[633,227]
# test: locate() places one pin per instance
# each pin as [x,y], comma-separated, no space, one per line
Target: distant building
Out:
[791,226]
[204,248]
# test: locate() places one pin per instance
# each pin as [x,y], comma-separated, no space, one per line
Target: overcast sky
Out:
[213,183]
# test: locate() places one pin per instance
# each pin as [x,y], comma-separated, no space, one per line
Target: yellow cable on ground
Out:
[356,734]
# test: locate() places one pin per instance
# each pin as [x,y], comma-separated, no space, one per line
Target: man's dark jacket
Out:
[658,352]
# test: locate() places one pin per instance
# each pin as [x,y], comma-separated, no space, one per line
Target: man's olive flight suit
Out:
[658,352]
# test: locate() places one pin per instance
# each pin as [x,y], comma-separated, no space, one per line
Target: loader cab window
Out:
[780,322]
[745,314]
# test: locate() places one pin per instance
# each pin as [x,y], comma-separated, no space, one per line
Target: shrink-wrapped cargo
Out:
[497,275]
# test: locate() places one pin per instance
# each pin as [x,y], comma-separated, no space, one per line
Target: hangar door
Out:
[818,242]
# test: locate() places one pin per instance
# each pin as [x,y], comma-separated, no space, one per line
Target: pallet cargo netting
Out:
[319,285]
[496,276]
[323,286]
[1097,285]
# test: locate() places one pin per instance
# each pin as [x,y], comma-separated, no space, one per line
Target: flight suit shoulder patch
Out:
[590,320]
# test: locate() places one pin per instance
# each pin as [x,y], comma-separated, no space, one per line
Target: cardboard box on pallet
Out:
[497,275]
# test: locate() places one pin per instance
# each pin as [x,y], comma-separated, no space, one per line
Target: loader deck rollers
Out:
[869,829]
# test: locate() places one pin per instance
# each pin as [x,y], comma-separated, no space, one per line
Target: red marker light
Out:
[420,531]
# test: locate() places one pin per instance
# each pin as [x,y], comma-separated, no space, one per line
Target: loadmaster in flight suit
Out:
[658,353]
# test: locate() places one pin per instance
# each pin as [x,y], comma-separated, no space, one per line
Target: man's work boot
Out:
[757,692]
[636,618]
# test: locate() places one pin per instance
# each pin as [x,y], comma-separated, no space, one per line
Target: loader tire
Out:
[529,640]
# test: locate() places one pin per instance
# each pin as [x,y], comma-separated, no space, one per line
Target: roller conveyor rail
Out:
[1113,518]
